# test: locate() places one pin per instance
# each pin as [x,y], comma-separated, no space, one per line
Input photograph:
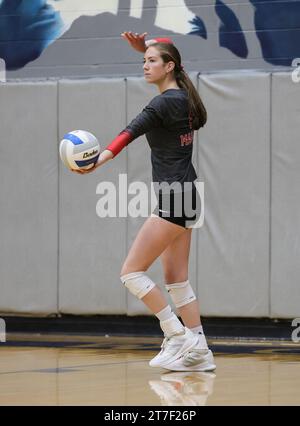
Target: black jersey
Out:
[166,123]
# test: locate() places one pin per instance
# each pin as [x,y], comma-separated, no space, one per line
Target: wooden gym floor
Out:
[65,369]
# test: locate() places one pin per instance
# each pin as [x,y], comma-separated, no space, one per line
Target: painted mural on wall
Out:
[28,28]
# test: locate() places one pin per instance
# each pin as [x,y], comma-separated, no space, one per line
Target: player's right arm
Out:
[135,40]
[139,43]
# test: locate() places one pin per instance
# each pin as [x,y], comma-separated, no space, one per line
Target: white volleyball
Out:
[79,149]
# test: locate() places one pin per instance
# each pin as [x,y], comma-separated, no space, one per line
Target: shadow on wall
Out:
[28,27]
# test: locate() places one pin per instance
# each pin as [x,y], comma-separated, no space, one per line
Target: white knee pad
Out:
[138,283]
[181,293]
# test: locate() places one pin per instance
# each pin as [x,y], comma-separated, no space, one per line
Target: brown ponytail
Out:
[170,53]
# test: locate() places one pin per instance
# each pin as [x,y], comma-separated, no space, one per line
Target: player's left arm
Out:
[148,119]
[103,158]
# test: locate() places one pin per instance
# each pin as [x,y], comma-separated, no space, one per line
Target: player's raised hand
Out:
[135,40]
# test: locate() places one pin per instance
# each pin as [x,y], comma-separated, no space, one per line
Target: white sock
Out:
[172,326]
[169,322]
[197,330]
[165,313]
[200,333]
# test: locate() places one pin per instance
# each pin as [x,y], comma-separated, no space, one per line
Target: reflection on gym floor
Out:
[108,371]
[183,388]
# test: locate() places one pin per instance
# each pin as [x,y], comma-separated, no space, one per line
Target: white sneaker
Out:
[193,360]
[174,347]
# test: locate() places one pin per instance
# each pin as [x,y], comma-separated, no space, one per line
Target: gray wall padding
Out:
[28,188]
[234,158]
[91,248]
[285,264]
[58,256]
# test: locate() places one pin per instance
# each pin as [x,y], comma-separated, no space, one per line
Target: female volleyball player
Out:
[168,121]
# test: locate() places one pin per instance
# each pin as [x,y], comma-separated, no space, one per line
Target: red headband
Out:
[164,40]
[159,40]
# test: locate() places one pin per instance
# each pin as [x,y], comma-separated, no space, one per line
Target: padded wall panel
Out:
[91,248]
[285,264]
[234,157]
[28,189]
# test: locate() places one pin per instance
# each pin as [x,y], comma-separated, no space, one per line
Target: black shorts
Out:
[181,208]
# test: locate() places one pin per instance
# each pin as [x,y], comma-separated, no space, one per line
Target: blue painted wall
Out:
[71,38]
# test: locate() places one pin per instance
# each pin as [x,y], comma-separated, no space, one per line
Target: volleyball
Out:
[79,149]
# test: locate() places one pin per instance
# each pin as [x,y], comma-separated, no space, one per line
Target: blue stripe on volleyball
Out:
[74,139]
[84,163]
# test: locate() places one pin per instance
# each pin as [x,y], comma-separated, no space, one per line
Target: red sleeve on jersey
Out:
[122,140]
[164,40]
